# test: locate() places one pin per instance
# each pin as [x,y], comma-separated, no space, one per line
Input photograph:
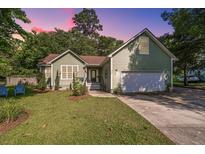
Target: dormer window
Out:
[144,45]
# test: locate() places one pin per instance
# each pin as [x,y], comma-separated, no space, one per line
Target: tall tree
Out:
[87,22]
[106,45]
[38,45]
[188,40]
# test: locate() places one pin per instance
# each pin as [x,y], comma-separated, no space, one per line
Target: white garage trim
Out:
[52,82]
[111,77]
[171,77]
[141,81]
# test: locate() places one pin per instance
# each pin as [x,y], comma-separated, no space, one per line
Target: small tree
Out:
[42,81]
[78,88]
[57,81]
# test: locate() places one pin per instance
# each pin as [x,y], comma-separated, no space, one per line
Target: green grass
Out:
[197,85]
[56,120]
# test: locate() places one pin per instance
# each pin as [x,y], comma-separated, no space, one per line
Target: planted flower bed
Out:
[11,114]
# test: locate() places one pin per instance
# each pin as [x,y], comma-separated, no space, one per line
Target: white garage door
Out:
[142,81]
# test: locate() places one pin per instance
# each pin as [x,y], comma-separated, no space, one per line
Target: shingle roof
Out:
[90,60]
[93,60]
[48,58]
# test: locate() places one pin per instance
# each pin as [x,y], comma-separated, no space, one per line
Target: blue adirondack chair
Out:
[3,91]
[19,89]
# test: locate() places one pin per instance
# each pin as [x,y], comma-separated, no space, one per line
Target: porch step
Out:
[94,86]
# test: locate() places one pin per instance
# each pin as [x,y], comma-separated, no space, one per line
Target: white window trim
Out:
[171,73]
[67,78]
[111,77]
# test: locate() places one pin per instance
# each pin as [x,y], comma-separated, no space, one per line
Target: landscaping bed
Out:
[77,98]
[5,126]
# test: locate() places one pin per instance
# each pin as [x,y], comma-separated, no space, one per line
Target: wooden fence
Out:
[14,80]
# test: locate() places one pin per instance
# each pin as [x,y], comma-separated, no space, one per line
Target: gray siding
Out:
[129,59]
[67,59]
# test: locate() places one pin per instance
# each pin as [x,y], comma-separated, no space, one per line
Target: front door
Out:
[93,75]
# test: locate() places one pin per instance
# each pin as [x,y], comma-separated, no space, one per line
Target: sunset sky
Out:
[118,23]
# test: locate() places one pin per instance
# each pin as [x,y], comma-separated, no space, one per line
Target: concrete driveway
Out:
[180,115]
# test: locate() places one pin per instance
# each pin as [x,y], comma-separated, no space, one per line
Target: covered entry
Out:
[142,81]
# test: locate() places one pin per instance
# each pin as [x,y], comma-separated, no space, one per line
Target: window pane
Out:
[70,75]
[69,69]
[64,75]
[63,69]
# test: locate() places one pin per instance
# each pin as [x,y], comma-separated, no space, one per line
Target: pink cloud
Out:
[39,25]
[70,23]
[40,30]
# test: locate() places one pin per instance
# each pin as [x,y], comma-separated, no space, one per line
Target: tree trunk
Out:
[185,76]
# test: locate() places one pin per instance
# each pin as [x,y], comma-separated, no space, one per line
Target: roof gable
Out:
[47,59]
[64,53]
[89,60]
[151,36]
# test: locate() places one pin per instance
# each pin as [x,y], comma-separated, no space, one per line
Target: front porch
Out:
[94,78]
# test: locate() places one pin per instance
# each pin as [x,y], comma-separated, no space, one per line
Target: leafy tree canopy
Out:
[188,39]
[87,22]
[38,45]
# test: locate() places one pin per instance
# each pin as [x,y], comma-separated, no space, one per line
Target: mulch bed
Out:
[77,98]
[7,126]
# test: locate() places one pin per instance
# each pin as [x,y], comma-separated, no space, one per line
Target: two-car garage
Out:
[132,81]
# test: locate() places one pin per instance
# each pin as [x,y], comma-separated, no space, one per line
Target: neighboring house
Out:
[142,64]
[198,71]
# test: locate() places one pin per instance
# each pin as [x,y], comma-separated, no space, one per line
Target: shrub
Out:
[78,88]
[57,81]
[9,110]
[42,82]
[118,90]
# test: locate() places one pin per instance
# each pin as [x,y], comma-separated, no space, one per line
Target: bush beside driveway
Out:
[179,115]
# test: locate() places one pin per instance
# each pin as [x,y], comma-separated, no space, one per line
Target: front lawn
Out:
[54,119]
